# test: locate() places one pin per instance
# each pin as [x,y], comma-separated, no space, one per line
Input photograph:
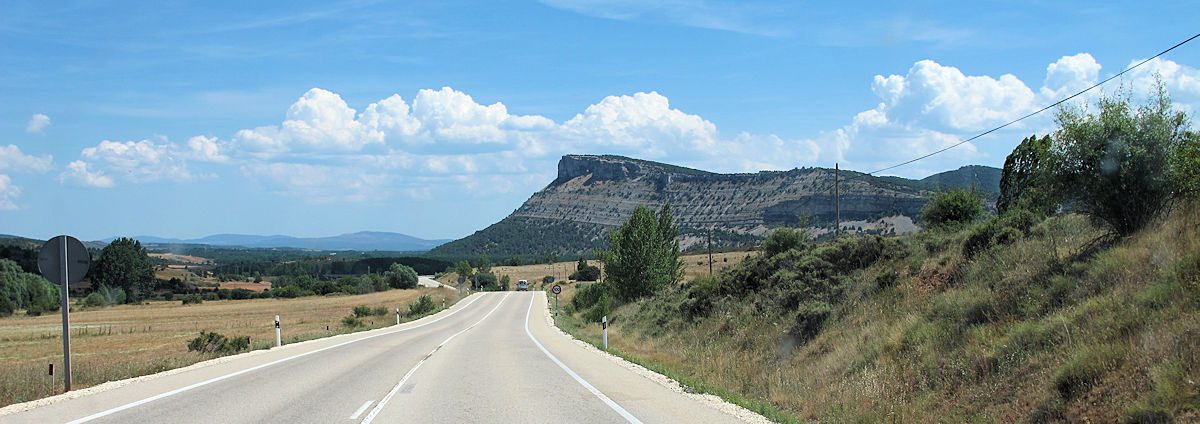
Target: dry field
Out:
[187,259]
[125,341]
[694,266]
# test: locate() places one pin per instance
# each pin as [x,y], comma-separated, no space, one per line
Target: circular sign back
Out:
[50,260]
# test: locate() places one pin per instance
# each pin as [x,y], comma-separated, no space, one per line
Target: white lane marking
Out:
[379,407]
[361,409]
[256,368]
[628,417]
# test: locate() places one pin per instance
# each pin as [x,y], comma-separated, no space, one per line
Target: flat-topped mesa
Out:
[616,168]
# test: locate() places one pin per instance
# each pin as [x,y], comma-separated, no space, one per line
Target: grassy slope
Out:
[1045,329]
[118,342]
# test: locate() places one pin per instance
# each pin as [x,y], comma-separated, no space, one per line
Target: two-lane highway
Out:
[493,357]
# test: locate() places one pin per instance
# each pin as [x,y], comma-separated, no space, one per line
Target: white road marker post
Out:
[397,316]
[278,336]
[604,328]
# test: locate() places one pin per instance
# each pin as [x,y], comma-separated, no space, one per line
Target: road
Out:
[424,281]
[493,357]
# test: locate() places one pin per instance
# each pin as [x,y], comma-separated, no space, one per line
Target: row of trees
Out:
[23,290]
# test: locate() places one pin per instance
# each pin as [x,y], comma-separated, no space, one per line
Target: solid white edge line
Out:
[396,389]
[255,368]
[361,409]
[611,404]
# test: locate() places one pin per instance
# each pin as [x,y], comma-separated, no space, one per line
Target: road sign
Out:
[556,289]
[50,260]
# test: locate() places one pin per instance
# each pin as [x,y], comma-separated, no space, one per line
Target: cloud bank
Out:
[326,150]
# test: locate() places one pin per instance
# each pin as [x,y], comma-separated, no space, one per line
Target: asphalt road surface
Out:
[490,358]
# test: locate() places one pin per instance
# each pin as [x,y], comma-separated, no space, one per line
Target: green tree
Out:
[124,264]
[958,206]
[1116,165]
[464,271]
[23,290]
[401,276]
[644,254]
[1025,181]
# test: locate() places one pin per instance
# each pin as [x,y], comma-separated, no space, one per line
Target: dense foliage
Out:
[585,272]
[124,264]
[1124,165]
[401,276]
[23,290]
[1025,181]
[958,206]
[644,256]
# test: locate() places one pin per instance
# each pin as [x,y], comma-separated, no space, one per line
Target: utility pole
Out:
[710,252]
[837,200]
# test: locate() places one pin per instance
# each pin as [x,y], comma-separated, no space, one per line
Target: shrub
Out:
[192,299]
[211,342]
[958,206]
[351,321]
[809,320]
[401,276]
[421,307]
[1116,165]
[362,311]
[784,239]
[240,294]
[379,311]
[588,295]
[585,272]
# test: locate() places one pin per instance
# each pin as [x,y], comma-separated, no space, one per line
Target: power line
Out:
[1032,113]
[1052,105]
[1022,118]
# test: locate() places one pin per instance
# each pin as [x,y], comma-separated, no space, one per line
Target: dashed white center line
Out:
[362,409]
[379,407]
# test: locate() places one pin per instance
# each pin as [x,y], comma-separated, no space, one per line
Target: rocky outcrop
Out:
[593,194]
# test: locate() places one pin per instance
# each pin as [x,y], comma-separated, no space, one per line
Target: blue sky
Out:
[185,119]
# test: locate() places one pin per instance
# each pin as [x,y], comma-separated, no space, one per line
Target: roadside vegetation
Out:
[1077,302]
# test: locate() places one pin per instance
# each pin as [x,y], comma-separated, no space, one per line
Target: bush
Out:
[585,272]
[958,206]
[210,342]
[588,295]
[809,320]
[351,321]
[192,299]
[784,239]
[421,307]
[1120,166]
[401,276]
[362,311]
[379,311]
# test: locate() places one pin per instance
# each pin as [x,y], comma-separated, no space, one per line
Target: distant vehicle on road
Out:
[522,285]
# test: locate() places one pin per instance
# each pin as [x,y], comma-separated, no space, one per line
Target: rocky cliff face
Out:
[594,194]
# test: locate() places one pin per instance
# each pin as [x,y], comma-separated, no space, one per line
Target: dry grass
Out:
[694,266]
[126,341]
[890,355]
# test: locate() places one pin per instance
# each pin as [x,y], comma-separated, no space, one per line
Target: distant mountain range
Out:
[363,240]
[594,194]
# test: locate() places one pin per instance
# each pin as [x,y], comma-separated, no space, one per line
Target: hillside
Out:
[1057,324]
[593,194]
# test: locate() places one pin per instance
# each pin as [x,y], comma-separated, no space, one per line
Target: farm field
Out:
[119,342]
[694,266]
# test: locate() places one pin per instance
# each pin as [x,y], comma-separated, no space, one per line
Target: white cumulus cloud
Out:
[79,173]
[37,123]
[8,194]
[13,160]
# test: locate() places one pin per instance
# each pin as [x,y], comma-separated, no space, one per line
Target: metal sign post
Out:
[556,290]
[64,260]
